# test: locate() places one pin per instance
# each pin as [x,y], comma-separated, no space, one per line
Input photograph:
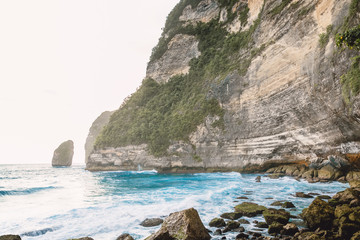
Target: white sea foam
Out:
[72,202]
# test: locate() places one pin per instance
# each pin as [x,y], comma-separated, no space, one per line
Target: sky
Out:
[63,63]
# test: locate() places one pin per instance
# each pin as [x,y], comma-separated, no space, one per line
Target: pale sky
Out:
[63,62]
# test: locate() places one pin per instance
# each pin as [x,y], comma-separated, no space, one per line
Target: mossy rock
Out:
[232,224]
[231,215]
[275,228]
[217,222]
[318,215]
[287,205]
[277,203]
[356,236]
[244,221]
[249,209]
[272,215]
[342,211]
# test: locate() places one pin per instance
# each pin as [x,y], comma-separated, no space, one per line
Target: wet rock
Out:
[183,225]
[277,203]
[243,221]
[239,229]
[302,195]
[287,205]
[272,215]
[258,179]
[232,225]
[290,229]
[10,237]
[318,214]
[231,215]
[242,198]
[276,175]
[217,222]
[324,197]
[242,236]
[249,209]
[151,222]
[275,228]
[125,236]
[218,232]
[262,225]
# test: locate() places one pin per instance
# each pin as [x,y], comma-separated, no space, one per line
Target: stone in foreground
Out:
[183,225]
[63,154]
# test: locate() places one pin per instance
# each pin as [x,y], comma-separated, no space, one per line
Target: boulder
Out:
[262,225]
[302,195]
[151,222]
[63,154]
[125,236]
[232,215]
[232,224]
[275,228]
[287,205]
[10,237]
[346,196]
[277,203]
[258,179]
[243,221]
[272,215]
[290,229]
[217,222]
[328,172]
[183,225]
[318,215]
[249,209]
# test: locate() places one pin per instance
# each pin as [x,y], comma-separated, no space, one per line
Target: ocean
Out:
[41,202]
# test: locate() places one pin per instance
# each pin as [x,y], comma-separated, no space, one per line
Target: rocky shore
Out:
[336,217]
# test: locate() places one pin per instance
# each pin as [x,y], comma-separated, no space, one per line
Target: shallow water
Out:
[41,202]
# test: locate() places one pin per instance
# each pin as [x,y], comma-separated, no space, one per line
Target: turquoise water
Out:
[41,202]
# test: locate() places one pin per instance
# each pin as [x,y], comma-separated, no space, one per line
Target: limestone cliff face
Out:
[94,131]
[287,106]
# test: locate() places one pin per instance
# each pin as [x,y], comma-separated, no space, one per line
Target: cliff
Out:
[233,84]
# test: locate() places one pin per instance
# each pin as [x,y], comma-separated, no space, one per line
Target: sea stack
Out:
[63,154]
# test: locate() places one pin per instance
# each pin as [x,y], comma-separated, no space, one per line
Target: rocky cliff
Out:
[94,132]
[233,84]
[63,154]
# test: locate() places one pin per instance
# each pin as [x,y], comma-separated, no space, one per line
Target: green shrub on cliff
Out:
[157,114]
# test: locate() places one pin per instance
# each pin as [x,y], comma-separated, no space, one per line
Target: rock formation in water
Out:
[233,84]
[94,131]
[63,154]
